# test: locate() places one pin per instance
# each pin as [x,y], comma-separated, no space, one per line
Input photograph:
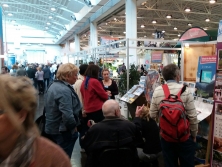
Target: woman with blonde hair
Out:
[151,147]
[109,85]
[62,107]
[20,143]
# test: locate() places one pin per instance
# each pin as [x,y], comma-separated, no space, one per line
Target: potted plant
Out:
[134,78]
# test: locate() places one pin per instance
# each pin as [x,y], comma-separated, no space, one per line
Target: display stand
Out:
[134,97]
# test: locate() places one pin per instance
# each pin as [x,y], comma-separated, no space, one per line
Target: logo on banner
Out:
[208,59]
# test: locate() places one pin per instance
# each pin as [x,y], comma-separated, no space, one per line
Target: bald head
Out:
[111,108]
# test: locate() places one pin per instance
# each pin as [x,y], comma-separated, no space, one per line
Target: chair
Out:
[117,157]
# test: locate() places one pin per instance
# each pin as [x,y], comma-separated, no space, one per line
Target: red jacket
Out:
[94,96]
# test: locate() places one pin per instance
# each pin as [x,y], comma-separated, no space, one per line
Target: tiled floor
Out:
[78,159]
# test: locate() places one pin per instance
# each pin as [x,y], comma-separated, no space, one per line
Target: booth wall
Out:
[191,57]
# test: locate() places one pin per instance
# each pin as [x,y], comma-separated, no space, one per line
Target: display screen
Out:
[206,76]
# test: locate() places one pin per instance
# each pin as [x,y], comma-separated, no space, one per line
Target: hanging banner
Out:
[156,56]
[108,40]
[147,60]
[217,138]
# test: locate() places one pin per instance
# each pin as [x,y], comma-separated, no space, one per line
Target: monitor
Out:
[206,76]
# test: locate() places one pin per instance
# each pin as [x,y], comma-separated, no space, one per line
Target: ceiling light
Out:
[48,23]
[98,41]
[175,28]
[178,35]
[168,16]
[154,22]
[46,28]
[163,31]
[115,19]
[50,17]
[207,20]
[212,1]
[10,14]
[5,5]
[153,33]
[189,24]
[187,9]
[106,23]
[124,32]
[142,26]
[53,9]
[145,36]
[205,28]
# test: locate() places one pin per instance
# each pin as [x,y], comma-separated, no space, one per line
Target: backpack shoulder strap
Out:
[166,90]
[181,91]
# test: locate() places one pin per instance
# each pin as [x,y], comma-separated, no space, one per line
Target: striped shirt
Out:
[187,99]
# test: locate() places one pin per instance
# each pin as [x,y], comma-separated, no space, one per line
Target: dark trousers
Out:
[66,140]
[46,81]
[96,116]
[41,85]
[183,151]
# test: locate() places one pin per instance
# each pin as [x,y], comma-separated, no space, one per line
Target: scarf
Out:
[22,154]
[87,82]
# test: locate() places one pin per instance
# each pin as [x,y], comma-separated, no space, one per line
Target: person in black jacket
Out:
[105,134]
[47,74]
[151,149]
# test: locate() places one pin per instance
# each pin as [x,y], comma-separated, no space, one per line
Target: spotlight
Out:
[154,22]
[212,1]
[88,2]
[187,9]
[73,17]
[168,16]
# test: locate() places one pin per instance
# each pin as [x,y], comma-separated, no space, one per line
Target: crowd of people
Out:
[80,104]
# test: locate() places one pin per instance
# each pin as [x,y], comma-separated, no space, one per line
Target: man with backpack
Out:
[173,104]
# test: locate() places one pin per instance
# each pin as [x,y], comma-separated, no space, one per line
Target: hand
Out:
[138,110]
[84,114]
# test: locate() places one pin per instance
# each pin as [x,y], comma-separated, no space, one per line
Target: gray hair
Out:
[170,72]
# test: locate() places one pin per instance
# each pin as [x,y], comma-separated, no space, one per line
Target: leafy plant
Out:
[134,77]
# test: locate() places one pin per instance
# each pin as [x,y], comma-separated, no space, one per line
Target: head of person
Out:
[111,108]
[92,71]
[145,113]
[67,72]
[17,107]
[105,74]
[171,72]
[91,63]
[82,68]
[40,68]
[14,67]
[4,70]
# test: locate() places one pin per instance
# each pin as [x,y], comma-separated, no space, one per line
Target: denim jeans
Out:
[182,151]
[66,140]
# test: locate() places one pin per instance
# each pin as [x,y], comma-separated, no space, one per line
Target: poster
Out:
[151,82]
[1,34]
[147,60]
[205,79]
[217,134]
[217,140]
[11,61]
[156,56]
